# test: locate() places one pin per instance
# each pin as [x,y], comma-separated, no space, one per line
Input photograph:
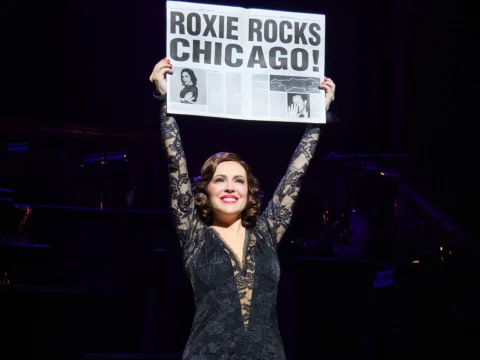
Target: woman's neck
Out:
[234,226]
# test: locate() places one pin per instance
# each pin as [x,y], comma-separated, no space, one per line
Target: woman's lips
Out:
[229,199]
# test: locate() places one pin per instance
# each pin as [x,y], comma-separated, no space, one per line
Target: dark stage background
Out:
[75,83]
[403,70]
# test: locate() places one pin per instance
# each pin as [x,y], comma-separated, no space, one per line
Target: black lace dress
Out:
[235,298]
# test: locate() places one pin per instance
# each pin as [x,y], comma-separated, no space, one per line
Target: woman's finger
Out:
[164,63]
[328,85]
[159,69]
[325,87]
[164,71]
[329,82]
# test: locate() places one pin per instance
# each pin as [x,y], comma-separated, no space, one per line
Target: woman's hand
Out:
[329,86]
[293,111]
[159,75]
[189,98]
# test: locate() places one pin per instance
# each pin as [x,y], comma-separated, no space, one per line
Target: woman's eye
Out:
[240,181]
[217,180]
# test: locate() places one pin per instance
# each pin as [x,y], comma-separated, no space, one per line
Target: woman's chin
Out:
[228,214]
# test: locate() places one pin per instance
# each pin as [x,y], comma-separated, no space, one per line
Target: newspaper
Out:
[251,64]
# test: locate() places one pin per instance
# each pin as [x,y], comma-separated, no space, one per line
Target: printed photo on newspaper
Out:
[250,64]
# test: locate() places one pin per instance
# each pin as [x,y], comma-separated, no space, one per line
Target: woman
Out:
[229,248]
[189,93]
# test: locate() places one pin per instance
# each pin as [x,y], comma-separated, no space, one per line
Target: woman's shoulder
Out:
[260,229]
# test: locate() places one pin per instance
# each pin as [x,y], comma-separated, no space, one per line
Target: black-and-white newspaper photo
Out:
[250,64]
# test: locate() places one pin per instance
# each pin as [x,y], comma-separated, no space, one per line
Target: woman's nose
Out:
[229,187]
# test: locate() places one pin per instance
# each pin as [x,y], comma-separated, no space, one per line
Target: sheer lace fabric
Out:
[235,294]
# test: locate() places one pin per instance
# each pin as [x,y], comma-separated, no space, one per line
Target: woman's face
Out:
[297,99]
[228,190]
[186,79]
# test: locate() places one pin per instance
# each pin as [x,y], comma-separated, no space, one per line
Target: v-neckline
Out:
[241,264]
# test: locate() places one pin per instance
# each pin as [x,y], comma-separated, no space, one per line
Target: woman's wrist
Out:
[159,96]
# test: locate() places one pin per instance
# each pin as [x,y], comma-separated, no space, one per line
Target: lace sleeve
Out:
[278,213]
[181,195]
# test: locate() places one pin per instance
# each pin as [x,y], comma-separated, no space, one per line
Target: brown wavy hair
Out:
[252,209]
